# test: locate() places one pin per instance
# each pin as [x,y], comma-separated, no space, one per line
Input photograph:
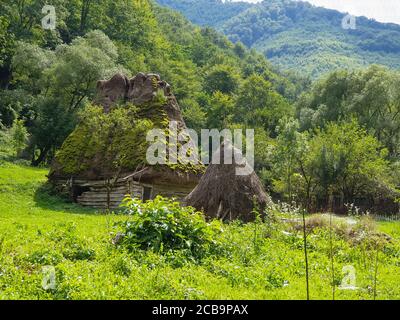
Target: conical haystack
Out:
[223,194]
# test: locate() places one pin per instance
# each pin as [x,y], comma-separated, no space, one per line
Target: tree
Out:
[19,136]
[240,50]
[62,82]
[258,104]
[221,78]
[194,116]
[7,43]
[288,158]
[130,22]
[341,161]
[220,112]
[79,66]
[85,10]
[51,126]
[349,163]
[29,64]
[370,95]
[182,75]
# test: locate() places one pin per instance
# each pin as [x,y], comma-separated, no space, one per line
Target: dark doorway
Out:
[147,191]
[78,191]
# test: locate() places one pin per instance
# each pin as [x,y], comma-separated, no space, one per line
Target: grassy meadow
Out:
[255,261]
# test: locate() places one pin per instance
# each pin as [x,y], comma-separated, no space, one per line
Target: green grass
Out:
[38,229]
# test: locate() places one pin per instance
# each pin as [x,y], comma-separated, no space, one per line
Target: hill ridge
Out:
[297,35]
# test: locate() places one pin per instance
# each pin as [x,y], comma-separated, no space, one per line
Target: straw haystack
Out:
[223,194]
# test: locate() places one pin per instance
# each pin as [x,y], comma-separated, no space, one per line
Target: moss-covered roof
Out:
[106,143]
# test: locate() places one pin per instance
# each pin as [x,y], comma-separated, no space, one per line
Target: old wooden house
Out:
[103,160]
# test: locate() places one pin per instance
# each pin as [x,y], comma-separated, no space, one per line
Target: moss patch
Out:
[117,140]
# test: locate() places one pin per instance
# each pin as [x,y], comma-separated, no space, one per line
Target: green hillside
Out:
[213,13]
[297,35]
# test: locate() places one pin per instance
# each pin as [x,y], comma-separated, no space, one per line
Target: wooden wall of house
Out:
[104,196]
[101,194]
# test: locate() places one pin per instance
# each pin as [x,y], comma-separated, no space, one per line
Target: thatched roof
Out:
[223,194]
[111,138]
[164,175]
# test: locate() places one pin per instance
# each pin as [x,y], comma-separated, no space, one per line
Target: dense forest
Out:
[323,145]
[296,35]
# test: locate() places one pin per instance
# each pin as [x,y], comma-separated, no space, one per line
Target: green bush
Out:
[5,141]
[162,225]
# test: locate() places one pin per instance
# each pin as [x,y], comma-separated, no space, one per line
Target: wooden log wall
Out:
[95,193]
[102,194]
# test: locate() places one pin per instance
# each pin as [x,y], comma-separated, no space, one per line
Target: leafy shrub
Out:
[122,265]
[69,244]
[78,252]
[5,143]
[274,279]
[43,257]
[162,225]
[19,135]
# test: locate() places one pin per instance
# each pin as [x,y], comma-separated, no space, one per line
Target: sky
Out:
[381,10]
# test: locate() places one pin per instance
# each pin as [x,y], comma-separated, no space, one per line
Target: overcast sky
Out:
[381,10]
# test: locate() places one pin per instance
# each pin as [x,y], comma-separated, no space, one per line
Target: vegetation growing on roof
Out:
[108,137]
[114,140]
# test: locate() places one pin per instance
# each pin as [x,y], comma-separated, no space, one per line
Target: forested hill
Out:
[297,35]
[212,13]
